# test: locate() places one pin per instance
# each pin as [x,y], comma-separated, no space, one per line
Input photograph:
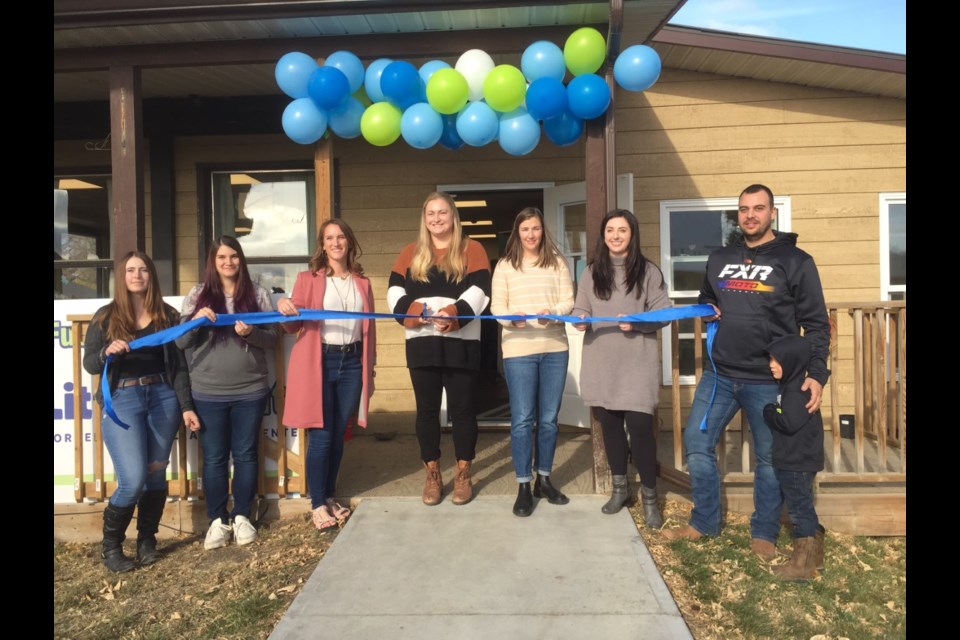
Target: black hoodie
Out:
[797,434]
[764,293]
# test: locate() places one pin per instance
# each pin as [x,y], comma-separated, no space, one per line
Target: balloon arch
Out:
[474,102]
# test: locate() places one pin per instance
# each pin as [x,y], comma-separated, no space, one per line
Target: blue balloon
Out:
[588,96]
[421,126]
[450,139]
[293,73]
[328,87]
[546,98]
[430,68]
[519,132]
[543,59]
[478,124]
[345,122]
[350,65]
[303,122]
[400,84]
[637,68]
[371,80]
[564,129]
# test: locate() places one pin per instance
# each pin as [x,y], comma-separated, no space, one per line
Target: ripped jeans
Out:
[141,454]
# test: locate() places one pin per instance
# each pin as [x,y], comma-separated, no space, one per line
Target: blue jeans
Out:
[536,389]
[342,386]
[701,451]
[797,489]
[230,428]
[141,453]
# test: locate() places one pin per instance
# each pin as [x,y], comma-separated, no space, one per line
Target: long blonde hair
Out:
[319,260]
[453,264]
[119,315]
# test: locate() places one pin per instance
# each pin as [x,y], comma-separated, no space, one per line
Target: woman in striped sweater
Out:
[532,279]
[442,274]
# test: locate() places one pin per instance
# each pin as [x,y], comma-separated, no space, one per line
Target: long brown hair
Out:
[549,253]
[119,315]
[319,260]
[635,265]
[212,295]
[453,264]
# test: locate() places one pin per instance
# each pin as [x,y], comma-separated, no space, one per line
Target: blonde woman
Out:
[533,279]
[442,274]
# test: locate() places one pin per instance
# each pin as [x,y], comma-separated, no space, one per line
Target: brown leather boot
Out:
[686,532]
[462,486]
[819,537]
[433,485]
[803,562]
[763,549]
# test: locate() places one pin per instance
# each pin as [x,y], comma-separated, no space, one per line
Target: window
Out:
[272,213]
[82,264]
[690,230]
[893,246]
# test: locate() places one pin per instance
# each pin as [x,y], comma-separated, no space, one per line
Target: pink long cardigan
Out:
[304,399]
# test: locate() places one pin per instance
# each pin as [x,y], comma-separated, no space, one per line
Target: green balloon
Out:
[380,124]
[447,91]
[504,88]
[584,51]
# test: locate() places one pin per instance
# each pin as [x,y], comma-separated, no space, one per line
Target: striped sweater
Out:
[426,346]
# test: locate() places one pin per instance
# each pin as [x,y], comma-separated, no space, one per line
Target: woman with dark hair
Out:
[443,274]
[532,279]
[228,375]
[330,375]
[150,389]
[620,370]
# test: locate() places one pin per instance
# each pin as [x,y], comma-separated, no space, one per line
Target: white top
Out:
[341,295]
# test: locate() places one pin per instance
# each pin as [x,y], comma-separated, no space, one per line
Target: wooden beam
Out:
[126,149]
[323,179]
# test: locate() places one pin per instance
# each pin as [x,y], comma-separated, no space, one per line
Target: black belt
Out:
[142,380]
[343,348]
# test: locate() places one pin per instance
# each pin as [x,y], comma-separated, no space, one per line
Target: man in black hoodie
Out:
[797,454]
[763,288]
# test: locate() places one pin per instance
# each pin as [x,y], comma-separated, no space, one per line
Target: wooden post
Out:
[858,378]
[879,375]
[323,179]
[78,487]
[835,391]
[280,395]
[902,371]
[675,395]
[183,485]
[98,472]
[126,147]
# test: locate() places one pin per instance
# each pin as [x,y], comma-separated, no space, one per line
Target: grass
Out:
[721,589]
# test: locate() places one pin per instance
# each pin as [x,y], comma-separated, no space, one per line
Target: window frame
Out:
[886,289]
[667,208]
[103,266]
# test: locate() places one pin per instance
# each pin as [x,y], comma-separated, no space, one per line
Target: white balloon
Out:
[474,65]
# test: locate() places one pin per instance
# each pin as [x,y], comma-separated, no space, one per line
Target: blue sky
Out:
[880,25]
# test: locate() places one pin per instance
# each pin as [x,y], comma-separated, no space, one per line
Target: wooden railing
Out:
[867,388]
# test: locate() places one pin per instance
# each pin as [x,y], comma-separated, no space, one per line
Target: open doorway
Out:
[487,213]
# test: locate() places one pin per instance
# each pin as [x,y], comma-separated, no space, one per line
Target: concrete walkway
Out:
[402,570]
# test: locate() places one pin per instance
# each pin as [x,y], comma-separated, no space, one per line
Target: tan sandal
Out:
[323,519]
[338,511]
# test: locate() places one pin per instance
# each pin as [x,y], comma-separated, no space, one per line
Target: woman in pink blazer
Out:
[331,369]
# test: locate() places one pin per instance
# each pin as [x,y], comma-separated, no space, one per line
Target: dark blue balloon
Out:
[328,88]
[450,139]
[546,98]
[400,84]
[564,129]
[588,96]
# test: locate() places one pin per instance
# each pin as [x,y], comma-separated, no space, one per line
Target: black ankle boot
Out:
[115,521]
[523,507]
[619,497]
[149,511]
[651,507]
[543,489]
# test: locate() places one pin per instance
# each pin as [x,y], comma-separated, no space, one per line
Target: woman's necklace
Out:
[348,294]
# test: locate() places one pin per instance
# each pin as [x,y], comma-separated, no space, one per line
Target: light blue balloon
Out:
[421,126]
[588,96]
[429,68]
[345,122]
[371,80]
[637,68]
[543,59]
[303,121]
[564,129]
[478,124]
[350,65]
[519,132]
[293,73]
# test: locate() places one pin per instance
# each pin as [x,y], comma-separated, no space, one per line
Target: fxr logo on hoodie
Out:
[745,277]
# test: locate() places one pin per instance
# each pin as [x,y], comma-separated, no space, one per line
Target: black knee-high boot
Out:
[115,522]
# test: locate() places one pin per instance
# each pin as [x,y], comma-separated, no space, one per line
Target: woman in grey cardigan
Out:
[620,367]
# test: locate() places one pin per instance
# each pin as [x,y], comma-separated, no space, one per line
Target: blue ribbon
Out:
[273,317]
[711,334]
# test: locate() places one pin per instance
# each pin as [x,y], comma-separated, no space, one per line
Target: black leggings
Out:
[643,444]
[461,386]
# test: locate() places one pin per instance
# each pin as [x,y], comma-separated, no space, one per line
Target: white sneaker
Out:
[218,535]
[244,530]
